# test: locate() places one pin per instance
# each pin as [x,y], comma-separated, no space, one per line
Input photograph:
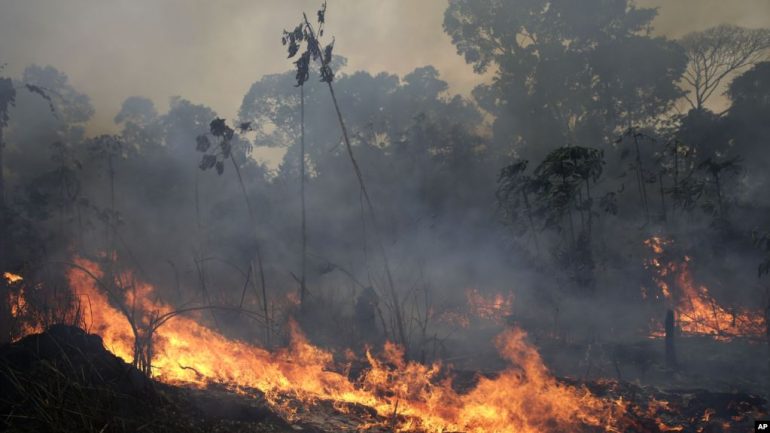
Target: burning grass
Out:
[523,398]
[303,385]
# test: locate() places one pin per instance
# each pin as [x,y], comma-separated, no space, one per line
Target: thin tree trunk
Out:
[303,288]
[5,311]
[391,286]
[569,215]
[378,233]
[676,177]
[531,221]
[719,196]
[640,178]
[257,247]
[583,227]
[671,362]
[662,198]
[111,224]
[590,208]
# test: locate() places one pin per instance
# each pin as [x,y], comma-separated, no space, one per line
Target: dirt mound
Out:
[65,380]
[65,377]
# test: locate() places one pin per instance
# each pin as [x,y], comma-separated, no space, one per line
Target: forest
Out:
[582,243]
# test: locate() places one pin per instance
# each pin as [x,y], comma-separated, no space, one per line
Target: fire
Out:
[20,309]
[12,278]
[455,318]
[407,396]
[495,308]
[697,311]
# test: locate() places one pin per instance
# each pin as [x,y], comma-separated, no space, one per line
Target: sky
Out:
[211,51]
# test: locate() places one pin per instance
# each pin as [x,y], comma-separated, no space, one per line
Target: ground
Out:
[64,380]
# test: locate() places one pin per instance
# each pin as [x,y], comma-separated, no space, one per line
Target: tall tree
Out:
[305,31]
[716,53]
[565,72]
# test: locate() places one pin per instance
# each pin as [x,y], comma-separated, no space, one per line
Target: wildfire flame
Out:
[697,311]
[522,399]
[12,278]
[495,308]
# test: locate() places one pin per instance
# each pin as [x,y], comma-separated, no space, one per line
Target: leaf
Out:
[220,166]
[245,126]
[202,143]
[322,13]
[303,68]
[327,75]
[293,48]
[207,162]
[7,98]
[328,53]
[219,128]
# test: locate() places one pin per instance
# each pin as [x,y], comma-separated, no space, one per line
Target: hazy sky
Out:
[211,51]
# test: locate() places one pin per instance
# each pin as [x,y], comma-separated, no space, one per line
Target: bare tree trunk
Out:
[676,177]
[531,221]
[359,176]
[671,362]
[719,196]
[391,286]
[5,311]
[590,209]
[662,198]
[640,179]
[303,288]
[258,252]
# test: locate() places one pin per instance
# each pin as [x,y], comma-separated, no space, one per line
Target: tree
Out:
[716,53]
[717,170]
[313,50]
[8,100]
[560,186]
[513,197]
[565,72]
[215,157]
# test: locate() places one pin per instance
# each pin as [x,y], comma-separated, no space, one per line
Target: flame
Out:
[495,308]
[20,308]
[292,298]
[18,303]
[407,396]
[455,318]
[697,311]
[12,278]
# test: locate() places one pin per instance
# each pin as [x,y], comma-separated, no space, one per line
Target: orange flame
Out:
[521,399]
[19,307]
[698,312]
[494,308]
[12,278]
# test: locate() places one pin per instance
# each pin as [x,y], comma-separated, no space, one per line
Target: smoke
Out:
[210,53]
[429,158]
